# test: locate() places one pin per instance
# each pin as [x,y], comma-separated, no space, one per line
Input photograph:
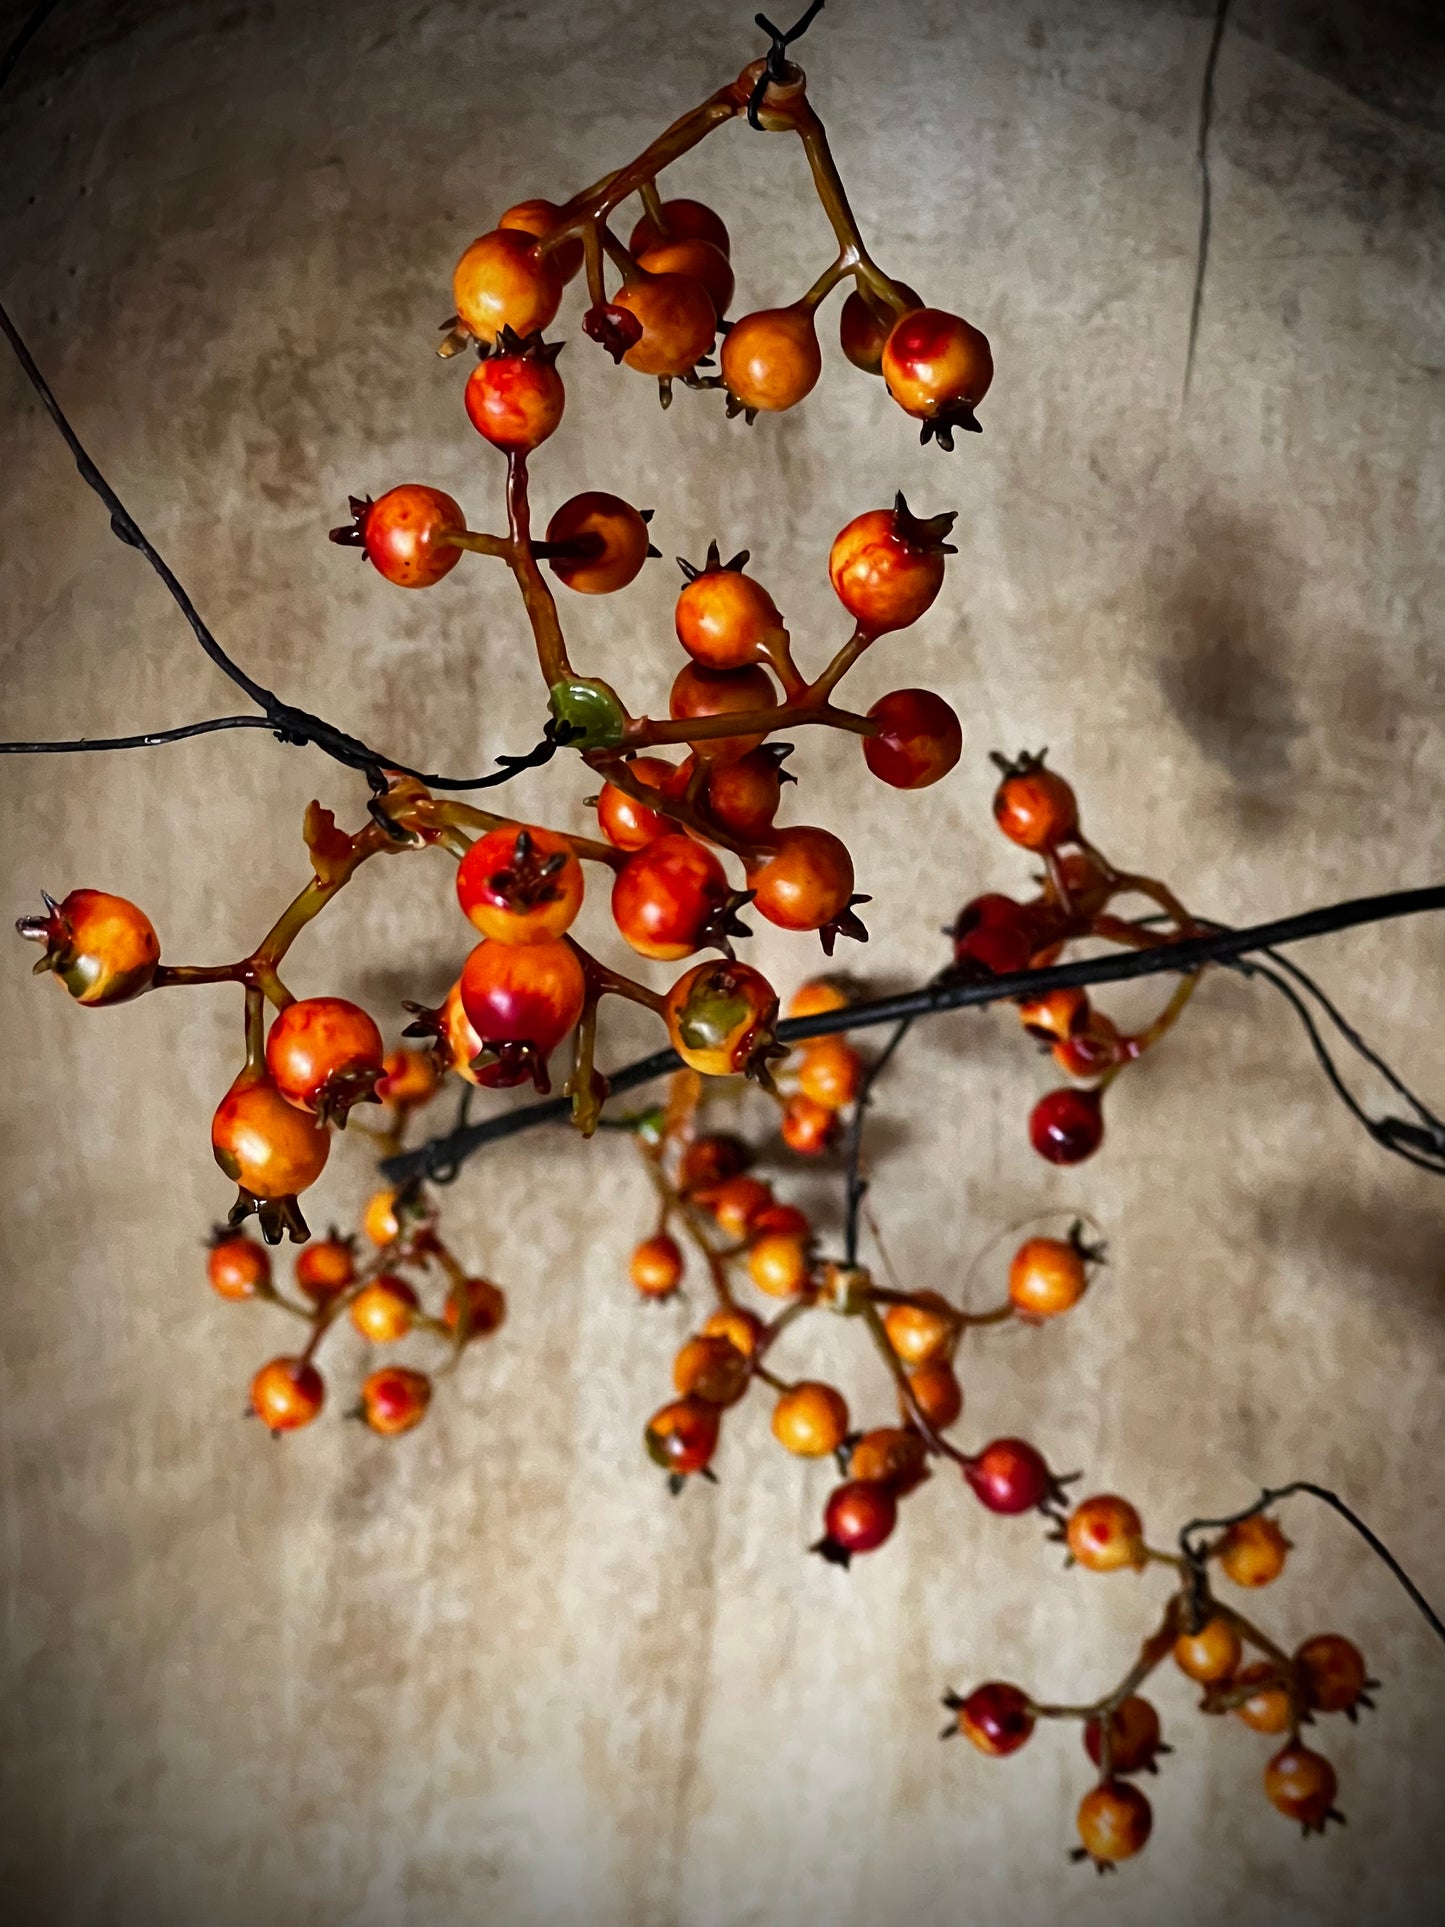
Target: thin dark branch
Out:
[855,1185]
[443,1156]
[1271,1496]
[147,741]
[1206,123]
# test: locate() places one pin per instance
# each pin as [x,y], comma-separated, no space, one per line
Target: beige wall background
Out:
[490,1672]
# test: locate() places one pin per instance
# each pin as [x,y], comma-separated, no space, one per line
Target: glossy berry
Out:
[1134,1737]
[995,1718]
[1091,1051]
[683,1436]
[287,1394]
[866,323]
[699,693]
[736,1203]
[404,534]
[626,823]
[920,741]
[656,1266]
[1301,1785]
[923,1330]
[810,1419]
[1267,1709]
[325,1267]
[712,1159]
[395,1399]
[1086,881]
[891,1455]
[504,280]
[539,219]
[384,1310]
[1114,1822]
[723,616]
[816,997]
[938,368]
[379,1220]
[484,1304]
[520,886]
[1105,1534]
[1335,1675]
[858,1517]
[1056,1015]
[457,1044]
[778,1263]
[935,1391]
[743,797]
[514,396]
[741,1327]
[700,260]
[711,1368]
[237,1267]
[807,881]
[1211,1654]
[1047,1276]
[324,1055]
[682,220]
[102,948]
[1067,1126]
[720,1018]
[1010,1476]
[265,1145]
[1033,805]
[829,1072]
[993,935]
[523,999]
[604,540]
[786,1220]
[771,358]
[886,566]
[670,898]
[1253,1552]
[807,1127]
[409,1078]
[678,323]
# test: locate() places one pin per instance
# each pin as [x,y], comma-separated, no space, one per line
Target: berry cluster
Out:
[1275,1694]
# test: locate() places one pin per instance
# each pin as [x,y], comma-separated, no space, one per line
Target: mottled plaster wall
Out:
[490,1674]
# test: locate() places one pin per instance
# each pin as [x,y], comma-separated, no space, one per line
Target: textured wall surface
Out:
[489,1672]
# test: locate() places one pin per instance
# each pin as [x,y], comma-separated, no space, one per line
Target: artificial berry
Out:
[699,694]
[520,886]
[539,219]
[1056,1015]
[720,1019]
[743,797]
[771,358]
[484,1304]
[1211,1654]
[326,1267]
[858,1517]
[324,1055]
[1048,1276]
[807,1127]
[1067,1125]
[384,1310]
[670,898]
[236,1266]
[996,1718]
[395,1399]
[683,1436]
[1010,1476]
[681,220]
[102,948]
[603,542]
[736,1202]
[504,280]
[286,1394]
[923,1329]
[1114,1822]
[656,1266]
[866,323]
[379,1220]
[723,617]
[810,1419]
[919,741]
[779,1264]
[456,1045]
[806,882]
[1302,1786]
[1134,1737]
[678,323]
[1093,1050]
[996,935]
[1085,881]
[817,997]
[938,368]
[701,260]
[265,1145]
[829,1072]
[1335,1675]
[406,534]
[1267,1709]
[783,1221]
[1033,805]
[891,1455]
[886,566]
[1252,1552]
[514,396]
[626,823]
[1105,1534]
[712,1159]
[523,999]
[936,1393]
[740,1327]
[711,1367]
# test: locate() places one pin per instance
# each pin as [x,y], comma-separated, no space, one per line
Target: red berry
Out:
[1105,1534]
[1067,1126]
[886,566]
[698,692]
[324,1054]
[539,219]
[395,1399]
[1033,805]
[237,1267]
[404,534]
[938,368]
[287,1394]
[668,898]
[678,323]
[514,397]
[1010,1476]
[723,616]
[522,1000]
[996,1718]
[1336,1677]
[683,1436]
[858,1517]
[682,220]
[702,260]
[1134,1737]
[626,823]
[521,886]
[485,1304]
[743,797]
[995,935]
[325,1268]
[866,323]
[919,743]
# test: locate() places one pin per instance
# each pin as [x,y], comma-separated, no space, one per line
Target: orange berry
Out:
[237,1267]
[739,1327]
[384,1310]
[1114,1822]
[1047,1276]
[936,1392]
[810,1419]
[808,1127]
[1105,1533]
[922,1330]
[287,1394]
[1211,1654]
[779,1264]
[816,997]
[830,1072]
[656,1266]
[486,1306]
[395,1399]
[711,1368]
[1253,1552]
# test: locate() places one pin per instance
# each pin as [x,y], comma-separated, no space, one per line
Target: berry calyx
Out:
[723,616]
[1033,805]
[994,1717]
[938,368]
[404,534]
[1067,1125]
[810,1419]
[1105,1534]
[771,360]
[324,1055]
[1114,1822]
[521,886]
[656,1266]
[395,1399]
[286,1394]
[720,1019]
[514,396]
[886,566]
[858,1517]
[102,948]
[920,741]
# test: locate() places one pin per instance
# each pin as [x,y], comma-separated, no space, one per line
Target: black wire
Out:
[775,66]
[855,1185]
[150,739]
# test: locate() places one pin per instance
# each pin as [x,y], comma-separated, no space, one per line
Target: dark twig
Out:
[148,740]
[1218,946]
[1206,123]
[1195,1554]
[855,1185]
